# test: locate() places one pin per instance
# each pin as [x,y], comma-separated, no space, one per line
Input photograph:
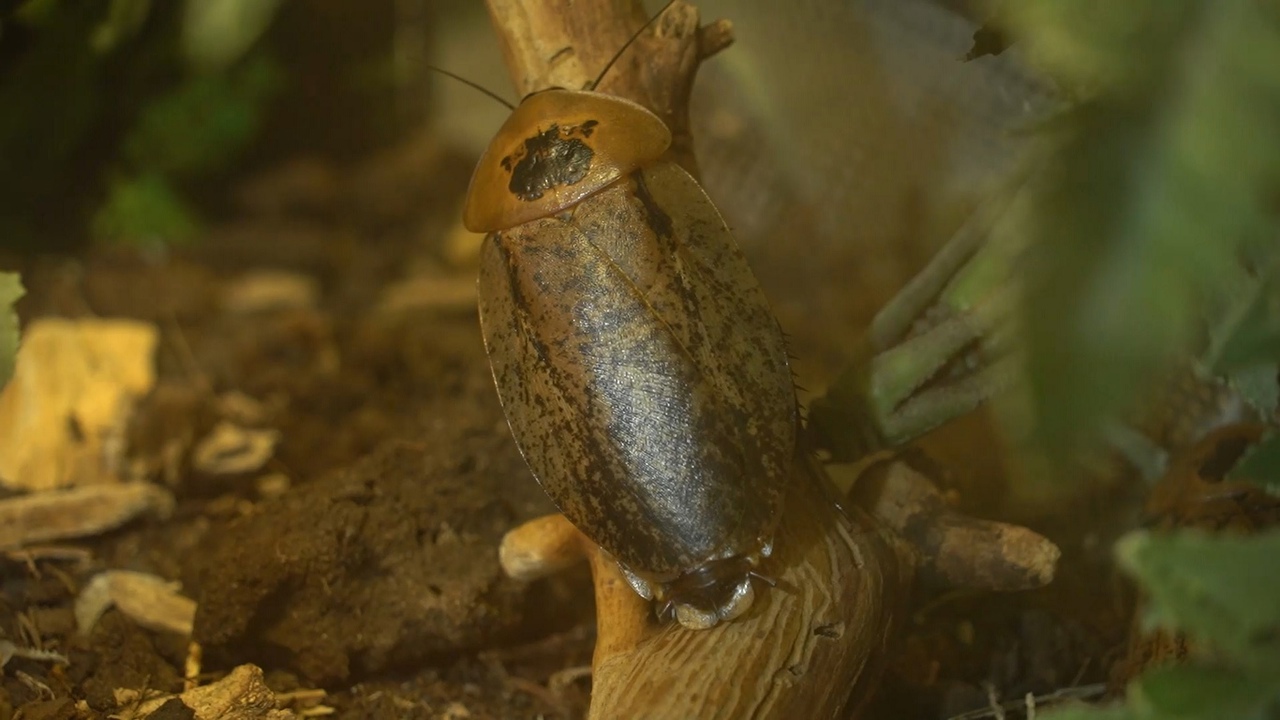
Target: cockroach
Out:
[640,368]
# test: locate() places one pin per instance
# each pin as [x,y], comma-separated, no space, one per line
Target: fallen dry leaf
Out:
[241,695]
[450,294]
[150,601]
[78,512]
[64,413]
[270,290]
[230,449]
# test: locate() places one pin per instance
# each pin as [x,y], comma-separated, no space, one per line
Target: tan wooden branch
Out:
[812,646]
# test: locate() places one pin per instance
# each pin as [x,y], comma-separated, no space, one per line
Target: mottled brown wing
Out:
[721,314]
[616,338]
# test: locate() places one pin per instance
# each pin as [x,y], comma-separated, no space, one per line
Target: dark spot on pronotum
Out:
[657,218]
[550,159]
[832,631]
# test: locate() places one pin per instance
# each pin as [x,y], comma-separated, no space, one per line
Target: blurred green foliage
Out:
[123,21]
[1223,593]
[197,128]
[200,125]
[11,291]
[144,210]
[109,119]
[1211,589]
[217,33]
[1153,240]
[1261,464]
[1157,209]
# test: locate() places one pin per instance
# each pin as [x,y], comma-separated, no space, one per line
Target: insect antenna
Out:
[609,65]
[474,85]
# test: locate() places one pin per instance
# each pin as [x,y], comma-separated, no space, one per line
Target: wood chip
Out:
[447,294]
[76,513]
[269,290]
[241,695]
[150,601]
[230,449]
[63,415]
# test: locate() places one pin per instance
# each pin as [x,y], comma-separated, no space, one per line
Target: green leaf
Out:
[1261,465]
[123,21]
[1161,181]
[200,126]
[36,12]
[216,33]
[1259,386]
[145,211]
[1250,337]
[1087,44]
[1223,591]
[10,291]
[1202,693]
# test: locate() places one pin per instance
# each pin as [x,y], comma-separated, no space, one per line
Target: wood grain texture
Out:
[812,647]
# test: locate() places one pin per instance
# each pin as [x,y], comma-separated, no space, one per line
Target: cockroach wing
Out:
[642,373]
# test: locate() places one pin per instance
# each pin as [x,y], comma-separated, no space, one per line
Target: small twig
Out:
[30,633]
[993,701]
[1080,692]
[562,679]
[191,665]
[8,651]
[29,556]
[34,684]
[309,695]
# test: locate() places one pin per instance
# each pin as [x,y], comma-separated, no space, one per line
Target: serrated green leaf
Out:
[1223,591]
[1187,692]
[10,291]
[1157,188]
[145,211]
[1261,465]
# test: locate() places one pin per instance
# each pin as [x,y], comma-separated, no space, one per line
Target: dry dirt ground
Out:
[361,557]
